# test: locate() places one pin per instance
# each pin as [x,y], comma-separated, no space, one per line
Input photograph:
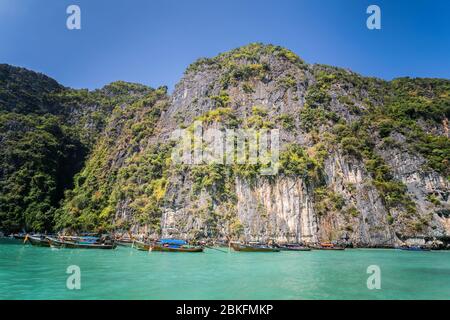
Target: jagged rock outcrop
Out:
[272,209]
[362,160]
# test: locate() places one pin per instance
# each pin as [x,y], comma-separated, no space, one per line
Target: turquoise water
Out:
[28,272]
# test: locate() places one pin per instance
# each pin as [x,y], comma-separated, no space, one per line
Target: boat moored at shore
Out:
[327,246]
[61,243]
[167,245]
[414,248]
[185,248]
[19,236]
[292,247]
[139,245]
[37,240]
[252,247]
[124,242]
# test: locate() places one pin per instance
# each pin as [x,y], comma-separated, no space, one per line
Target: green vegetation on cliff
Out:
[115,171]
[46,131]
[98,160]
[39,156]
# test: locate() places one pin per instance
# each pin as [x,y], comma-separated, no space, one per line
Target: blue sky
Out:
[153,41]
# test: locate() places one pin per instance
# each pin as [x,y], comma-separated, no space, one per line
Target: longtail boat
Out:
[55,243]
[184,248]
[252,248]
[19,236]
[167,245]
[414,248]
[39,241]
[327,246]
[174,245]
[293,247]
[124,242]
[80,239]
[141,245]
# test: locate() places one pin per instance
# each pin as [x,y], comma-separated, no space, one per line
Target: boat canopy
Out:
[173,242]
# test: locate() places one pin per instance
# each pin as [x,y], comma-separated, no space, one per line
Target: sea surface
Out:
[28,272]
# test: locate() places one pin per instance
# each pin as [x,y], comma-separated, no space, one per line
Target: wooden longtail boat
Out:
[141,245]
[293,247]
[80,239]
[55,243]
[184,248]
[19,236]
[165,247]
[39,241]
[174,245]
[252,248]
[414,248]
[327,246]
[124,242]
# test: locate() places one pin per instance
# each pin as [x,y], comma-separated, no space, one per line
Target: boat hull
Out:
[245,248]
[73,245]
[141,246]
[38,242]
[155,247]
[124,243]
[172,249]
[328,248]
[294,249]
[415,249]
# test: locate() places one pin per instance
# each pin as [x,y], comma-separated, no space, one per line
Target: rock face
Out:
[370,227]
[362,161]
[283,209]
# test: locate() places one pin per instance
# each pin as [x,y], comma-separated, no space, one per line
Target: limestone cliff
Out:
[363,161]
